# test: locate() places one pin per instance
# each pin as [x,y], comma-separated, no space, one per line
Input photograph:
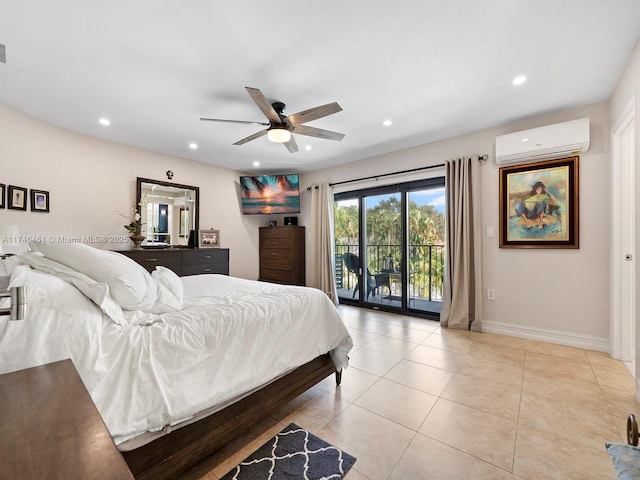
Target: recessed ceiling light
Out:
[307,147]
[525,140]
[105,121]
[519,80]
[193,146]
[256,164]
[387,123]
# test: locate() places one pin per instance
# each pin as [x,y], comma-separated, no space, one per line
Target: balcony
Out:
[425,270]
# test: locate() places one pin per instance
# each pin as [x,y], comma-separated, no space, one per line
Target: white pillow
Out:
[53,293]
[95,291]
[130,285]
[171,281]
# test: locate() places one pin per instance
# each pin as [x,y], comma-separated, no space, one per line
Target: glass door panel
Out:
[383,249]
[347,247]
[426,249]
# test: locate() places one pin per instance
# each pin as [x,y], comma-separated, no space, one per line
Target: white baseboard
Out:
[551,336]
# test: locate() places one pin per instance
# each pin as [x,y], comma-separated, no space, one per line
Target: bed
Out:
[176,366]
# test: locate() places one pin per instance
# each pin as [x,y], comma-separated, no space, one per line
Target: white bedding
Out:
[231,337]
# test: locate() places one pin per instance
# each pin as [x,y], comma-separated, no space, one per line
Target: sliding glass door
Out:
[389,244]
[383,248]
[346,213]
[426,248]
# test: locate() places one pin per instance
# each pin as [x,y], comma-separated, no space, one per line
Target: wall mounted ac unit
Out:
[543,143]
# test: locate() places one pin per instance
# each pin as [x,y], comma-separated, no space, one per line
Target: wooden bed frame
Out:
[178,451]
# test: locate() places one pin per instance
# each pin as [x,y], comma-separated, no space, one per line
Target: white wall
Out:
[628,86]
[89,180]
[556,295]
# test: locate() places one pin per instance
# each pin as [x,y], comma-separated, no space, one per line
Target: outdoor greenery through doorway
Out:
[377,226]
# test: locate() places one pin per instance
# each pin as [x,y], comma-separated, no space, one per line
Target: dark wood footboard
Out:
[180,450]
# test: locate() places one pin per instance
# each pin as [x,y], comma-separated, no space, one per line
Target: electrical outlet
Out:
[491,294]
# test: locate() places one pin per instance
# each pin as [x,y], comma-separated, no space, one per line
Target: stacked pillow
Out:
[113,281]
[95,291]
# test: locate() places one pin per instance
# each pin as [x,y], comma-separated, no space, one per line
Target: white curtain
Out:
[322,252]
[462,292]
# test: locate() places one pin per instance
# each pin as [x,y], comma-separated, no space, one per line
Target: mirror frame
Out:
[140,181]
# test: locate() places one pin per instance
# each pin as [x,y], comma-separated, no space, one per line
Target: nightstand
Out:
[50,428]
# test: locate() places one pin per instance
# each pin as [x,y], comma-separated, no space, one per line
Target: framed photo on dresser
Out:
[208,238]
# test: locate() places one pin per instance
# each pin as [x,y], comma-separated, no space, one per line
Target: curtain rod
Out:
[482,158]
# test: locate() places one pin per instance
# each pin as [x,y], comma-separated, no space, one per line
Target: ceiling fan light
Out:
[279,135]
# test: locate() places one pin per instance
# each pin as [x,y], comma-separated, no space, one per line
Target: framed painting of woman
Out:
[539,205]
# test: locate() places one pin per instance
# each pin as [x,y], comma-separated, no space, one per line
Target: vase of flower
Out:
[137,239]
[135,224]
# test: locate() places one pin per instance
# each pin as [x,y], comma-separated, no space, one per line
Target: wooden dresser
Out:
[183,261]
[282,255]
[50,428]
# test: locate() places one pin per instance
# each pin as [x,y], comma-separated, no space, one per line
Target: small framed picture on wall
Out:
[17,198]
[39,201]
[3,187]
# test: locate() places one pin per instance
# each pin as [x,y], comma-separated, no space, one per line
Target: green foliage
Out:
[384,225]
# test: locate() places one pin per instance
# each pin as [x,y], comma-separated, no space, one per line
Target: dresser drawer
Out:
[183,261]
[278,276]
[198,269]
[151,259]
[275,242]
[274,254]
[209,255]
[275,232]
[275,264]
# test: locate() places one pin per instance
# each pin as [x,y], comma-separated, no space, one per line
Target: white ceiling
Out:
[436,68]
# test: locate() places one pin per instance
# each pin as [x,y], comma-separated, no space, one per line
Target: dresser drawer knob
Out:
[207,269]
[207,256]
[152,259]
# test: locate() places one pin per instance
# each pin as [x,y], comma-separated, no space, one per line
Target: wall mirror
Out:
[169,212]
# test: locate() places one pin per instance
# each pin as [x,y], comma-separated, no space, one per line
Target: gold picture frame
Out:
[539,205]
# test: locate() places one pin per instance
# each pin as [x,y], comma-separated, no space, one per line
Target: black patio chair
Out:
[352,262]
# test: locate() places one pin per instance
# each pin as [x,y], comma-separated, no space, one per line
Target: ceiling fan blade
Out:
[318,132]
[291,145]
[252,137]
[314,113]
[234,121]
[264,105]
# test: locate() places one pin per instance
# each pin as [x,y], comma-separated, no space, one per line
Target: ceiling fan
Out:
[280,127]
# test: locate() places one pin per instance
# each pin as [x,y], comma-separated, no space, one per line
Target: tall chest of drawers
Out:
[282,255]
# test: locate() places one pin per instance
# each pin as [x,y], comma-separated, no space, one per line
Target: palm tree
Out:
[259,183]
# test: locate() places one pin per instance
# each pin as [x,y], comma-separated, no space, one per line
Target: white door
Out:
[623,255]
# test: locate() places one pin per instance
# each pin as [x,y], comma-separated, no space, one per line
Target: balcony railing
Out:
[425,268]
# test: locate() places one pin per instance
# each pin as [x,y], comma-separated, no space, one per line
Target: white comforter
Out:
[232,336]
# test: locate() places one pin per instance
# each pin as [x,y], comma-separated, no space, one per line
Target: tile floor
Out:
[421,402]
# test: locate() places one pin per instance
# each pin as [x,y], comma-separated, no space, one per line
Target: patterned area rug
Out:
[294,453]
